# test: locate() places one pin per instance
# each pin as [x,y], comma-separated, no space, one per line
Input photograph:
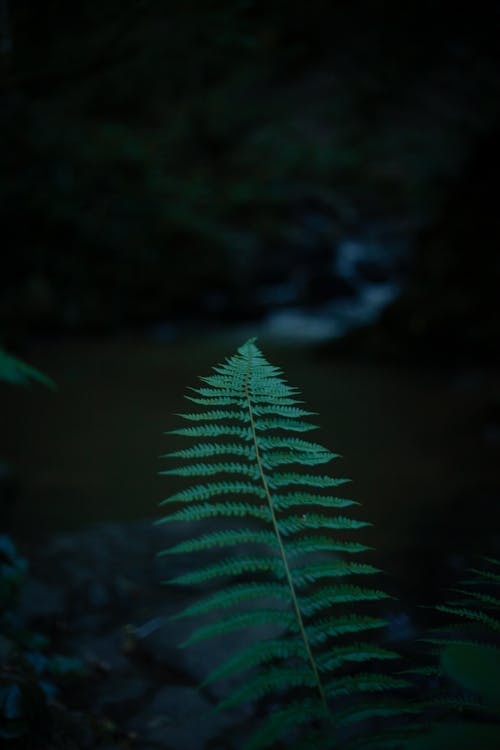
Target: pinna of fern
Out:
[250,466]
[468,644]
[462,699]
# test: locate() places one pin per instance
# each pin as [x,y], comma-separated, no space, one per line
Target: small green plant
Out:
[250,467]
[463,711]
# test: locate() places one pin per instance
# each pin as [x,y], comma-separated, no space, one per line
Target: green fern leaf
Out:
[243,620]
[283,480]
[474,615]
[207,450]
[280,458]
[221,539]
[296,713]
[231,567]
[211,510]
[283,502]
[257,654]
[205,470]
[232,597]
[247,419]
[213,430]
[365,682]
[330,595]
[270,680]
[214,489]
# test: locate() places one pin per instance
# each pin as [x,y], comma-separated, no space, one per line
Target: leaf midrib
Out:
[280,542]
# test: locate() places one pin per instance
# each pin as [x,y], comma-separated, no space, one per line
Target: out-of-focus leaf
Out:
[13,370]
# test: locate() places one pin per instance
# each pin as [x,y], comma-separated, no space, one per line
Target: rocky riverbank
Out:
[97,593]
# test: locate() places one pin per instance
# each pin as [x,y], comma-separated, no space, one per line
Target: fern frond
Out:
[268,442]
[270,680]
[239,621]
[213,430]
[365,682]
[246,426]
[292,524]
[210,510]
[323,543]
[487,575]
[377,709]
[322,630]
[292,412]
[356,652]
[330,595]
[231,567]
[233,596]
[221,539]
[257,654]
[216,415]
[207,450]
[474,615]
[214,489]
[283,423]
[283,480]
[468,652]
[205,470]
[283,502]
[214,400]
[313,573]
[280,458]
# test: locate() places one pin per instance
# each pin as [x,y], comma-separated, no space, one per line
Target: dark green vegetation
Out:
[466,646]
[281,521]
[456,699]
[254,467]
[31,675]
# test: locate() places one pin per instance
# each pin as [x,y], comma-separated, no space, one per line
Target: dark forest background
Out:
[176,177]
[164,161]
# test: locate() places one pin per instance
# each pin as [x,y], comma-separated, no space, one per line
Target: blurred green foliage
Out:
[13,370]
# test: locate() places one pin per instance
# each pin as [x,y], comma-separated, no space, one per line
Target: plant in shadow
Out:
[30,675]
[463,702]
[17,372]
[287,560]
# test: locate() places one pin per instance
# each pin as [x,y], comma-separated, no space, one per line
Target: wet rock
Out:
[178,717]
[119,696]
[116,619]
[160,641]
[102,651]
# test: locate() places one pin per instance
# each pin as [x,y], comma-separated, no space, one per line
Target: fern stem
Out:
[288,573]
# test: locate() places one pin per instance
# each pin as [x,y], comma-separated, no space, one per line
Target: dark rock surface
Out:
[98,593]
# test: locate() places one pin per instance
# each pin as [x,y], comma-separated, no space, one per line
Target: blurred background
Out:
[177,177]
